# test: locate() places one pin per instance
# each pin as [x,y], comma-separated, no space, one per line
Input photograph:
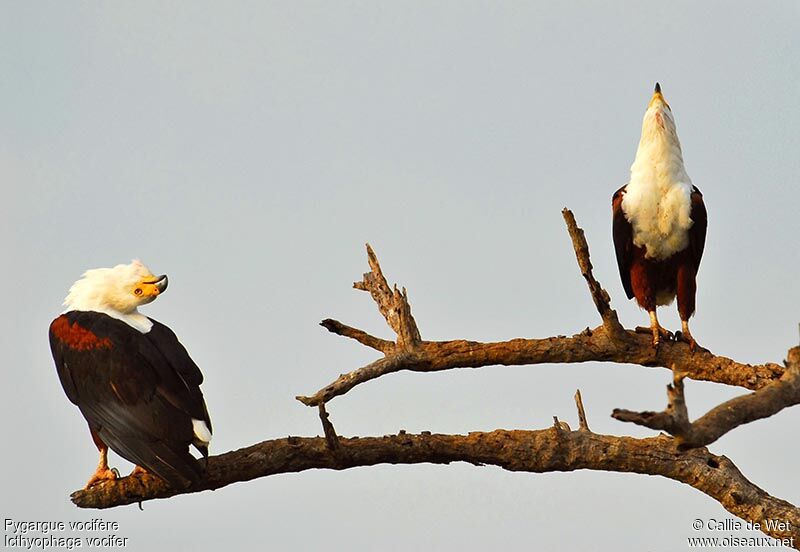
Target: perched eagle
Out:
[129,375]
[660,223]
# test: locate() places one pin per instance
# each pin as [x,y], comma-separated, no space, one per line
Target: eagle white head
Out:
[657,199]
[117,292]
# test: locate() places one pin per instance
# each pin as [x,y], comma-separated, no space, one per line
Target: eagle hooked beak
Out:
[161,283]
[658,96]
[150,289]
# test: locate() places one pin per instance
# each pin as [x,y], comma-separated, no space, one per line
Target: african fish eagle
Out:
[660,223]
[129,375]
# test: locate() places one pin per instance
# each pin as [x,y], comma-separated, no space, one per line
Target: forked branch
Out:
[609,342]
[721,419]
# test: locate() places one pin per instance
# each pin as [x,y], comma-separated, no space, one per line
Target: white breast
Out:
[658,200]
[134,319]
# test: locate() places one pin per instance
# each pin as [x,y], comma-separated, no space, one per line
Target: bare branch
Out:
[345,382]
[524,451]
[729,415]
[674,419]
[607,343]
[742,410]
[382,345]
[581,412]
[391,302]
[600,296]
[590,345]
[327,427]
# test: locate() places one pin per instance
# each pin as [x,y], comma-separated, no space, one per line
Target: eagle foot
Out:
[687,338]
[659,333]
[102,474]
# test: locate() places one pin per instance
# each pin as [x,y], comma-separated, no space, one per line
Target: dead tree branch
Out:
[361,336]
[775,387]
[674,419]
[591,345]
[539,451]
[609,342]
[725,417]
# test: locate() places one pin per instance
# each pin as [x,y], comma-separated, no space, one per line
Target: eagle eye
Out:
[137,291]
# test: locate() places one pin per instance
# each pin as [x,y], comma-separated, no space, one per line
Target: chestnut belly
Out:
[657,282]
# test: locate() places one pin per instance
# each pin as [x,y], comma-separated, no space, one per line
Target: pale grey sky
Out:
[249,150]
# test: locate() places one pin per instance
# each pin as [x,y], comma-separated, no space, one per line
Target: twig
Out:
[382,345]
[600,296]
[674,419]
[345,382]
[584,426]
[327,427]
[560,426]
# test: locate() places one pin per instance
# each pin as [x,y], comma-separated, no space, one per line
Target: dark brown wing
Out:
[697,233]
[623,240]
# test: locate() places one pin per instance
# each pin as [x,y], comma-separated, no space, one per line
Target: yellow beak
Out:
[657,97]
[152,287]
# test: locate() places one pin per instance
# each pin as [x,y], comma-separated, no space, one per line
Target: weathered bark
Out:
[526,451]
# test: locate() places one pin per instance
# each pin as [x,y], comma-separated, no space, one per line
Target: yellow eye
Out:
[137,291]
